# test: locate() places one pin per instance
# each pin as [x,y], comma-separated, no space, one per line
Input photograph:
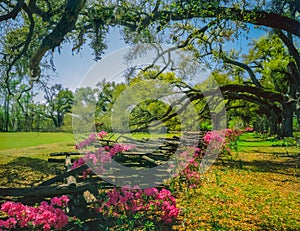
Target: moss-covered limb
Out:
[55,38]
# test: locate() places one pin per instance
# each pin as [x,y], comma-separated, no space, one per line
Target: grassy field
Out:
[257,188]
[29,139]
[24,156]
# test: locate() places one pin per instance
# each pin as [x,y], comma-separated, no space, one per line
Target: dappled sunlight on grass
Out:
[242,200]
[252,190]
[24,167]
[256,188]
[27,172]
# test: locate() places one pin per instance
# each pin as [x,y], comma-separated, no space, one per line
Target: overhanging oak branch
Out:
[55,38]
[255,17]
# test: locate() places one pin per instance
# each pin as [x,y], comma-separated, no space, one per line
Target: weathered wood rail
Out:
[146,154]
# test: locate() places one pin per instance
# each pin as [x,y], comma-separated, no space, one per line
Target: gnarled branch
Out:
[13,14]
[54,39]
[243,66]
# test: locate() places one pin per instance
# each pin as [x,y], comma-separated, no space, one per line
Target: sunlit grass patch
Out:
[29,139]
[253,190]
[256,188]
[242,200]
[39,151]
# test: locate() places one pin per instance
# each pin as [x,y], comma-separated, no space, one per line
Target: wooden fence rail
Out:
[146,153]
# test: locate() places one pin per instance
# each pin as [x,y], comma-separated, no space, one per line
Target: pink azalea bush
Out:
[98,158]
[232,134]
[190,160]
[129,201]
[248,129]
[214,136]
[43,217]
[221,140]
[187,169]
[91,139]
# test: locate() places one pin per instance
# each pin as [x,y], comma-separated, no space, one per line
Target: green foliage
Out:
[205,125]
[59,101]
[67,125]
[149,98]
[273,62]
[204,28]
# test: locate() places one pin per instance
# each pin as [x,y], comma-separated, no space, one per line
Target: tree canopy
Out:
[32,28]
[269,73]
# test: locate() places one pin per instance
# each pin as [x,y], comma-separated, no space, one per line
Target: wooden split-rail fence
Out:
[146,154]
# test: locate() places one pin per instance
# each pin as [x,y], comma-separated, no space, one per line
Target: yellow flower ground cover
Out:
[257,188]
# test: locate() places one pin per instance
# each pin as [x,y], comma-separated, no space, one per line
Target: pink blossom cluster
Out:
[214,136]
[232,134]
[79,163]
[102,156]
[191,174]
[92,138]
[119,148]
[61,202]
[130,201]
[190,164]
[249,129]
[221,139]
[102,134]
[42,217]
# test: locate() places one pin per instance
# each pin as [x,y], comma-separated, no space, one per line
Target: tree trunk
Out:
[287,122]
[6,109]
[273,123]
[298,117]
[54,119]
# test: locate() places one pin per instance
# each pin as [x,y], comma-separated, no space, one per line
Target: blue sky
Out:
[72,68]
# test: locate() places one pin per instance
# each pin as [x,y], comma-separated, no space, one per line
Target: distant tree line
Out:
[26,114]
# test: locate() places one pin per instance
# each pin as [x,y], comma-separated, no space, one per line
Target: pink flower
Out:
[150,191]
[102,134]
[44,216]
[60,201]
[135,199]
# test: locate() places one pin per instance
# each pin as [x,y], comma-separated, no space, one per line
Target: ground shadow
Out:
[27,172]
[286,165]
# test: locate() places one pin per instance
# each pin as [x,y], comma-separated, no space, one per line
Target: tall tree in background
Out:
[59,101]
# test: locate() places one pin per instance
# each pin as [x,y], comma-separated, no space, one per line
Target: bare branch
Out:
[289,44]
[232,91]
[13,14]
[160,55]
[243,66]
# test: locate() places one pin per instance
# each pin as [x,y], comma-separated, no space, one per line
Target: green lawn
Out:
[29,139]
[24,156]
[257,188]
